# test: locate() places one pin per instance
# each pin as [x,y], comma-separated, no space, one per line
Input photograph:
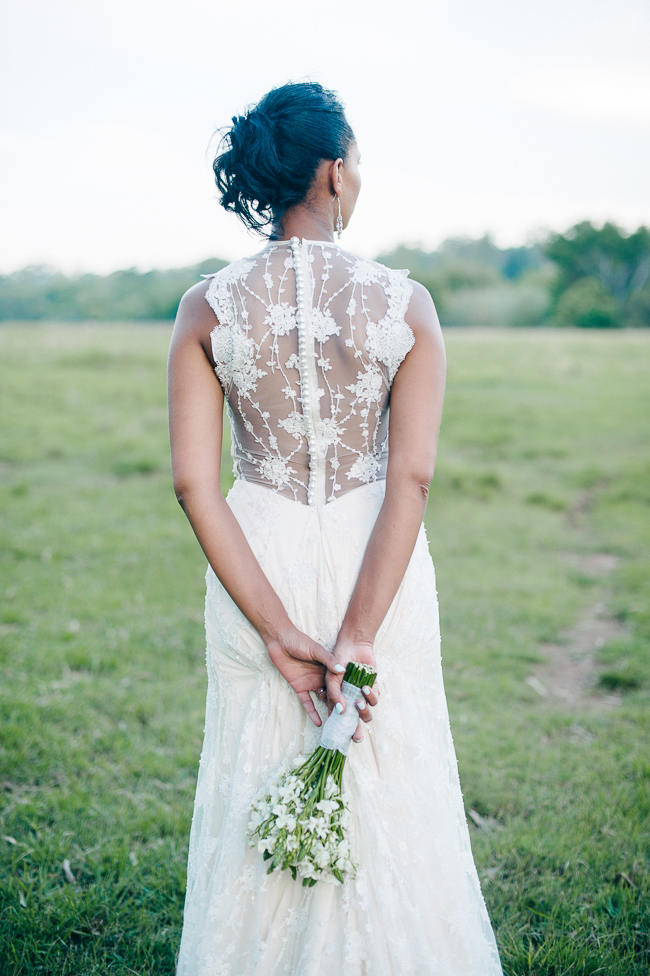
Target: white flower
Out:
[331,789]
[322,856]
[327,432]
[323,324]
[232,272]
[388,341]
[294,424]
[287,820]
[236,353]
[256,818]
[368,386]
[366,271]
[276,470]
[364,468]
[292,362]
[283,827]
[307,870]
[282,318]
[343,848]
[327,806]
[290,789]
[311,824]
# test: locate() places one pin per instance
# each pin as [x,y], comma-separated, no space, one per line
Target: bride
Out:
[331,369]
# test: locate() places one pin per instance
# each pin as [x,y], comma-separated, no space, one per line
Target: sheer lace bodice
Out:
[307,343]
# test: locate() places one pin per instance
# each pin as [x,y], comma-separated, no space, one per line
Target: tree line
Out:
[584,277]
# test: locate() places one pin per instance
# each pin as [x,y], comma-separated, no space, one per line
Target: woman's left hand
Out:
[344,651]
[304,664]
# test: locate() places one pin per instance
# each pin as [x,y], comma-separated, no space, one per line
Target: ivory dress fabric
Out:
[307,340]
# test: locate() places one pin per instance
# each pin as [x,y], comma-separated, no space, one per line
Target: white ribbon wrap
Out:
[339,728]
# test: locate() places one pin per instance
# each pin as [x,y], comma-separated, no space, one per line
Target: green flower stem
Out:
[359,674]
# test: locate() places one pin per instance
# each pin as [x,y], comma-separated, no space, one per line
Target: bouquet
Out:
[300,823]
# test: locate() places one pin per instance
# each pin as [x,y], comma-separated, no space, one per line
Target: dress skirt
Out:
[415,907]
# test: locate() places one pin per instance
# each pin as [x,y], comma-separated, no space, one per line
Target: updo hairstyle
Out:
[267,159]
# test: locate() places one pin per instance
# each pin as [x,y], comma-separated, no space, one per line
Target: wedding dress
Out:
[307,341]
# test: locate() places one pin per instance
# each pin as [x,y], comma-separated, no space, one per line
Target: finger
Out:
[333,684]
[371,694]
[363,709]
[358,734]
[325,657]
[309,706]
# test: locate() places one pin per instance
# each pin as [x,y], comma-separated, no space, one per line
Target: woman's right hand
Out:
[303,663]
[344,651]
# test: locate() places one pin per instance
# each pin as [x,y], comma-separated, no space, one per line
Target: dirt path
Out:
[569,673]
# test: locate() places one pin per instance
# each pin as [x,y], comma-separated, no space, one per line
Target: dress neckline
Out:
[302,240]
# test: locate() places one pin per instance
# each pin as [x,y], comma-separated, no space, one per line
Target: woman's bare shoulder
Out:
[196,318]
[421,314]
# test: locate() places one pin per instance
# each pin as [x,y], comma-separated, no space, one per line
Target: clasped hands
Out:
[309,667]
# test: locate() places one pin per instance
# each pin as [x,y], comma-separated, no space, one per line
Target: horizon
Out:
[411,246]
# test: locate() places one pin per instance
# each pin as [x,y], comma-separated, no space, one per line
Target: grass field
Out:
[538,528]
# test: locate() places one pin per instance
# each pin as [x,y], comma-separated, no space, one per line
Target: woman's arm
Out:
[414,423]
[196,403]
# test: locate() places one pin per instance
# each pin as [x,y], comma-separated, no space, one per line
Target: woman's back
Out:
[308,340]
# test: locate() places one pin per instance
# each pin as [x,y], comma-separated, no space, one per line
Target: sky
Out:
[508,118]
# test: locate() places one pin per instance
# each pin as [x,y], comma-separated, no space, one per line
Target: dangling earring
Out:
[339,219]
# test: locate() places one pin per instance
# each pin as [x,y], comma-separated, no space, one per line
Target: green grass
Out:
[543,451]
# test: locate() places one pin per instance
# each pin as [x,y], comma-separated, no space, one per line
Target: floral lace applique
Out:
[354,310]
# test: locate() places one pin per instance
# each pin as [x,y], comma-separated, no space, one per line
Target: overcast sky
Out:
[471,117]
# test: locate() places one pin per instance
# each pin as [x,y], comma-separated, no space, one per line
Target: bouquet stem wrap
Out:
[299,824]
[339,728]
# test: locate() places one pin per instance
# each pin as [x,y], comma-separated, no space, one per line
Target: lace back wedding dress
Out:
[307,341]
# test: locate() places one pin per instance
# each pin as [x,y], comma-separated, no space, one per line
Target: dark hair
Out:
[271,154]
